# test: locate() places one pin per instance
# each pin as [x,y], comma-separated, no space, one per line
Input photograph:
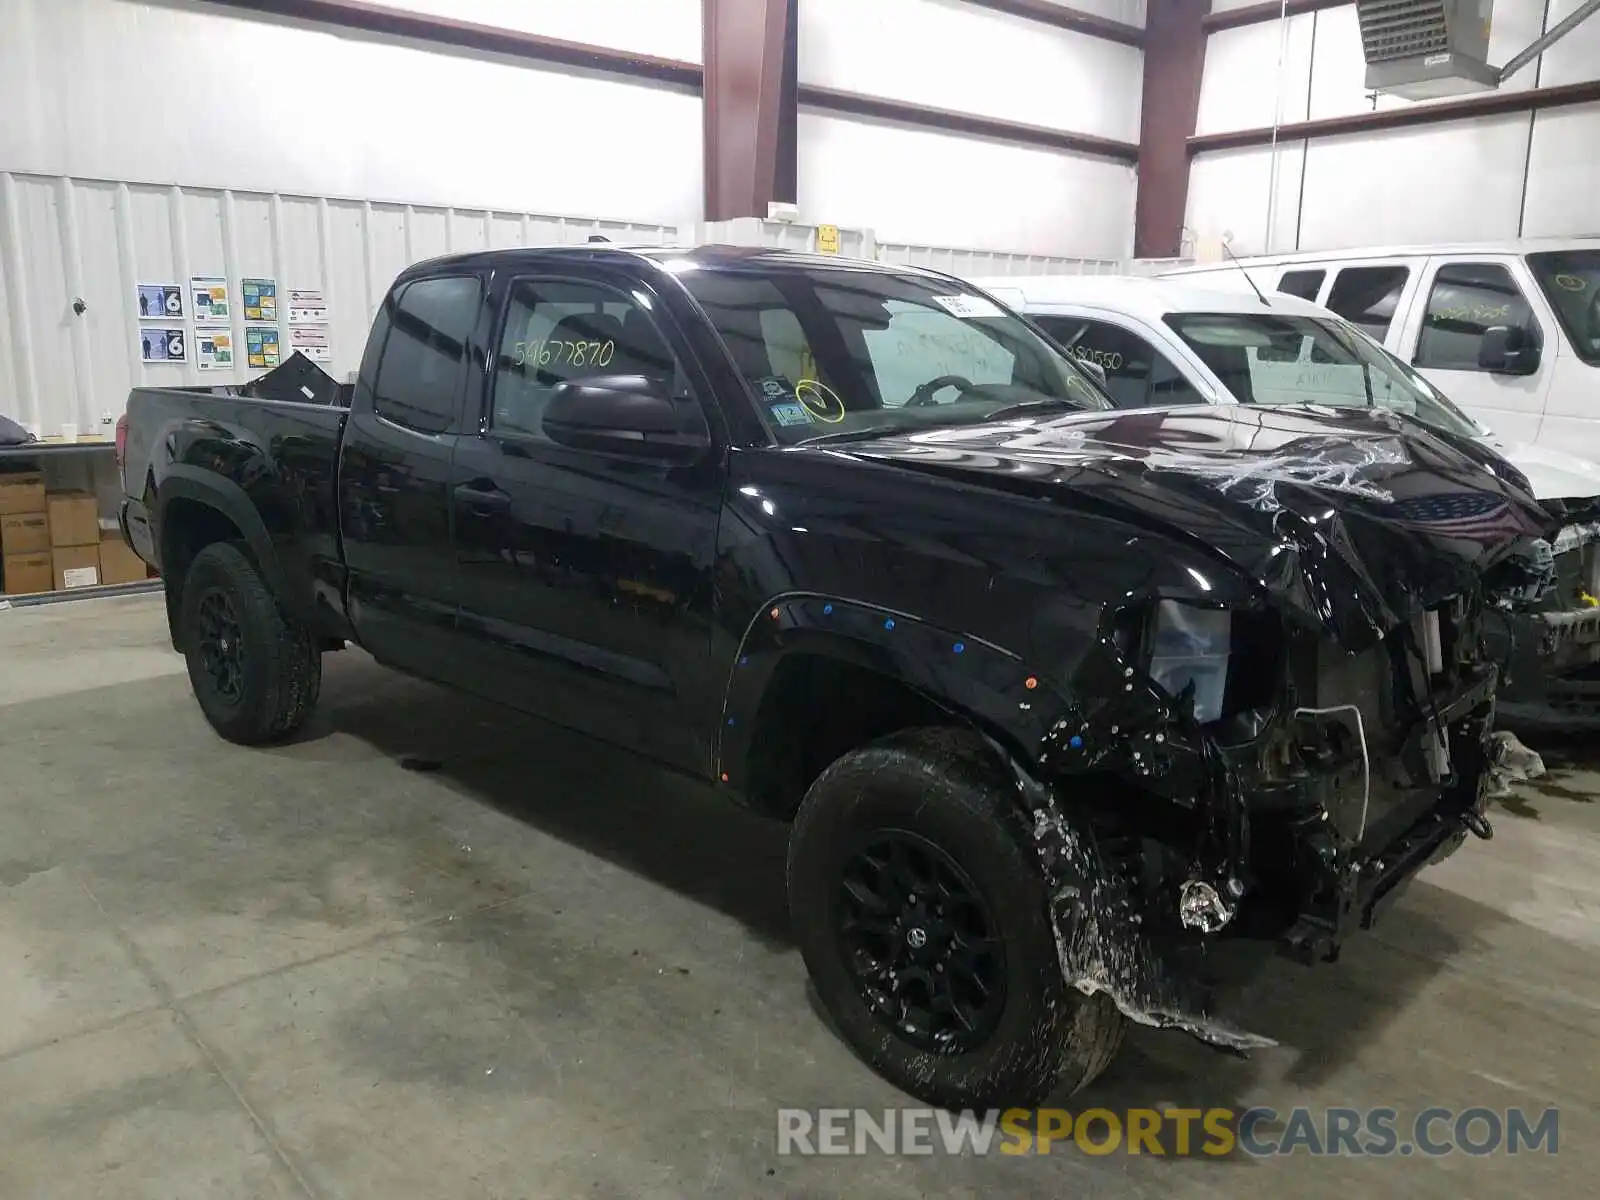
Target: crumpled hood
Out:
[1356,518]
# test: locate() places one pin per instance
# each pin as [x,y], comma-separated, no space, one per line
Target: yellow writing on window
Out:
[559,352]
[1478,313]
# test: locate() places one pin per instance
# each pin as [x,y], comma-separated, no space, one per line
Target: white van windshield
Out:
[1571,281]
[1267,359]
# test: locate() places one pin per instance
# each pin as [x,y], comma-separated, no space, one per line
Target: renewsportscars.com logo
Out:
[1258,1132]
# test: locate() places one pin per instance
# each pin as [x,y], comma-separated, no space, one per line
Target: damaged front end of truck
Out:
[1280,768]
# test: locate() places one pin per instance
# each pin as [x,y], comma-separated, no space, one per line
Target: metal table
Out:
[55,449]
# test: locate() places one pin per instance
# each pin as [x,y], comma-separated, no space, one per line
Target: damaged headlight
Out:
[1189,648]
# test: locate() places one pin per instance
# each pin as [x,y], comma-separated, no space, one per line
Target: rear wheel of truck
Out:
[922,915]
[255,671]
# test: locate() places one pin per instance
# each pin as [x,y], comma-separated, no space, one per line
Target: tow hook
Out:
[1201,907]
[1479,825]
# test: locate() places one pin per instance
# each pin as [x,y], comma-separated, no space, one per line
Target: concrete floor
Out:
[545,971]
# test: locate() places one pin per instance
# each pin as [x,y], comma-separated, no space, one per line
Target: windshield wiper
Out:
[1024,407]
[850,435]
[1021,408]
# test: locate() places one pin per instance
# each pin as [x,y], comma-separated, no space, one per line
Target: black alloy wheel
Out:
[922,912]
[921,943]
[256,670]
[220,644]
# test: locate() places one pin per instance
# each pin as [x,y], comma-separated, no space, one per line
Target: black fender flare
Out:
[217,492]
[983,684]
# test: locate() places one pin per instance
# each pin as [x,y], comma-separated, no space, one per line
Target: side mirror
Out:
[1508,350]
[631,415]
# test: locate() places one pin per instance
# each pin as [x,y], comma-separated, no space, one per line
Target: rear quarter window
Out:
[423,359]
[1367,297]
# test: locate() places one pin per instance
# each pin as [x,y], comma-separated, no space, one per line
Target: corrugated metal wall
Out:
[67,240]
[975,264]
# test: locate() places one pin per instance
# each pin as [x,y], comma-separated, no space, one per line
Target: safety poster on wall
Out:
[261,347]
[160,302]
[312,341]
[260,298]
[209,296]
[213,350]
[159,345]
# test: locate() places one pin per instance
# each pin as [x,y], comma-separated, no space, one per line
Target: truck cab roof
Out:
[1151,299]
[673,258]
[1409,250]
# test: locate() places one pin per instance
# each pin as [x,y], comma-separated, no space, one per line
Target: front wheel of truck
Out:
[255,671]
[921,912]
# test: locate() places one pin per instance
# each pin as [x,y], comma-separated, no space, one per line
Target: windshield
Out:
[841,352]
[1571,282]
[1266,359]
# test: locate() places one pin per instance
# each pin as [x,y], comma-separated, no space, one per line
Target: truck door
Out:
[1463,300]
[394,474]
[1565,288]
[586,576]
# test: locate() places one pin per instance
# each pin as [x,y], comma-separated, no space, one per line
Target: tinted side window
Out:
[1466,300]
[1368,297]
[557,330]
[1305,284]
[1137,374]
[419,376]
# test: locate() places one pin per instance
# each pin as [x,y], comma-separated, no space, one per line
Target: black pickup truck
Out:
[1054,695]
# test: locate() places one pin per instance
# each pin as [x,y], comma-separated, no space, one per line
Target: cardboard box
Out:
[25,533]
[21,492]
[74,520]
[76,566]
[118,564]
[25,573]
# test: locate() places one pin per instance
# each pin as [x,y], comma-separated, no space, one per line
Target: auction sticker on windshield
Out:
[968,306]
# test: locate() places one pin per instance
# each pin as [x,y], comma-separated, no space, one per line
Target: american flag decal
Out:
[1471,516]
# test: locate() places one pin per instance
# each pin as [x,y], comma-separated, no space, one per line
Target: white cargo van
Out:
[1168,341]
[1510,331]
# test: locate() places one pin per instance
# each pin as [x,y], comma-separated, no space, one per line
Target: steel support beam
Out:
[1577,17]
[388,21]
[749,105]
[1486,104]
[1174,58]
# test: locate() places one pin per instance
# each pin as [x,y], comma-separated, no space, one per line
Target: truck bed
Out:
[270,466]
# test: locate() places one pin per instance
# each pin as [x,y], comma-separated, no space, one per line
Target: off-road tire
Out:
[948,787]
[280,662]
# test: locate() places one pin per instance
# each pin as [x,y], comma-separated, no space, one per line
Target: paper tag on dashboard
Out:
[968,306]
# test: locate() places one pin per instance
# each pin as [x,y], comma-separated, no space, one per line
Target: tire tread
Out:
[292,667]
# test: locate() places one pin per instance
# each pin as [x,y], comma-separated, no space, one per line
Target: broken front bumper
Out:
[1340,875]
[1305,833]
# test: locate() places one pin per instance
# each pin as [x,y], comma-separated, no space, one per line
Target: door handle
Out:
[482,498]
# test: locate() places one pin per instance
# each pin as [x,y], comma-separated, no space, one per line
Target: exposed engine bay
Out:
[1275,771]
